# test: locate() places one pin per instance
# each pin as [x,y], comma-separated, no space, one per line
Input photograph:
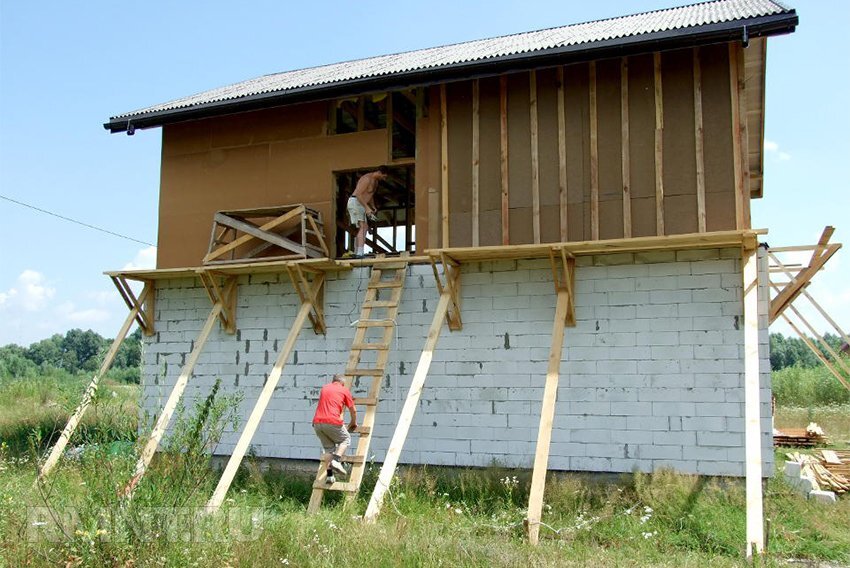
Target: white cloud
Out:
[772,148]
[29,293]
[144,259]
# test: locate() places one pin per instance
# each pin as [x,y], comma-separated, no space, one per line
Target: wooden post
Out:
[400,435]
[752,407]
[535,160]
[699,142]
[476,160]
[259,408]
[562,157]
[737,155]
[88,395]
[503,157]
[624,121]
[444,165]
[547,417]
[171,404]
[659,146]
[594,158]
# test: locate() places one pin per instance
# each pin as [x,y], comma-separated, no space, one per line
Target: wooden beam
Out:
[793,289]
[562,157]
[74,420]
[744,136]
[752,407]
[625,151]
[835,372]
[699,142]
[535,159]
[411,402]
[547,418]
[259,408]
[444,165]
[476,160]
[503,157]
[259,233]
[738,163]
[236,243]
[171,404]
[594,156]
[659,145]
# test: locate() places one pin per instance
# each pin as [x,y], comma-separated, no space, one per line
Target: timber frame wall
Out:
[645,145]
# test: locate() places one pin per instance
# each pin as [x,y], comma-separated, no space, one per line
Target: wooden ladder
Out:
[376,312]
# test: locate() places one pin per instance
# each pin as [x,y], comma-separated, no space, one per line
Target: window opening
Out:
[395,230]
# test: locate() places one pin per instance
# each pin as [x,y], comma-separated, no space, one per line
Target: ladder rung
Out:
[369,346]
[380,304]
[346,459]
[375,323]
[364,373]
[338,486]
[387,284]
[366,401]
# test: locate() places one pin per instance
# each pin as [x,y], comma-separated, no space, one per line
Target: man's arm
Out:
[352,411]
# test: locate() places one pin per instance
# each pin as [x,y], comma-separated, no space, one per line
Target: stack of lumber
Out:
[823,479]
[808,437]
[837,462]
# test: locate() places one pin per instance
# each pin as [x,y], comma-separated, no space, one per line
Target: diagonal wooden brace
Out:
[142,306]
[564,278]
[451,273]
[221,288]
[312,292]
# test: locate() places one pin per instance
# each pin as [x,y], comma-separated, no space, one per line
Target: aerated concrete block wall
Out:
[651,377]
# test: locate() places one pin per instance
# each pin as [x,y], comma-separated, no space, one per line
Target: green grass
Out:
[431,517]
[804,387]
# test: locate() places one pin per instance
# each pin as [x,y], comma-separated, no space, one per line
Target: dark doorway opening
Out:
[395,230]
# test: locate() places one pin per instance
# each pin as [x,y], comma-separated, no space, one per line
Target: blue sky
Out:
[65,67]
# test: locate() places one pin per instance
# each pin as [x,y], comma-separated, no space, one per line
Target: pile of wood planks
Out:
[818,469]
[808,437]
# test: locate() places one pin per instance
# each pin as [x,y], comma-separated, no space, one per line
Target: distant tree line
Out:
[793,351]
[75,352]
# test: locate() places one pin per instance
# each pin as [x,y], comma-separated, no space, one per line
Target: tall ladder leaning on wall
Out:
[370,318]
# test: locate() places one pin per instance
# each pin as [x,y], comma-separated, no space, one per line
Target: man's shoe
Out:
[330,480]
[338,467]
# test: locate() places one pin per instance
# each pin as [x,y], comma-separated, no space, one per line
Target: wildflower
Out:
[458,511]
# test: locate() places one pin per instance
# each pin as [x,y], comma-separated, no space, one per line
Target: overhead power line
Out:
[107,231]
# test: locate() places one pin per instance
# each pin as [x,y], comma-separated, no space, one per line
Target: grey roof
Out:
[582,36]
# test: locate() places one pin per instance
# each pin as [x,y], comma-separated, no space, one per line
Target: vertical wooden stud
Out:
[624,121]
[535,160]
[737,154]
[476,160]
[700,136]
[444,166]
[562,157]
[659,143]
[594,158]
[503,156]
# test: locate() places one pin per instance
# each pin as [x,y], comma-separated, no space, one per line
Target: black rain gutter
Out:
[738,30]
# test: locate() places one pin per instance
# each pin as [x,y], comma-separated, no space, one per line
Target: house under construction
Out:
[565,278]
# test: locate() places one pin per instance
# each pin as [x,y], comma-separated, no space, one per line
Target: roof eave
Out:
[763,26]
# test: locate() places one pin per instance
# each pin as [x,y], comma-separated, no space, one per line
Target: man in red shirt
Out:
[328,424]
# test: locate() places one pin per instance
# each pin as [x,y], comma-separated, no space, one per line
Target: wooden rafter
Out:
[822,252]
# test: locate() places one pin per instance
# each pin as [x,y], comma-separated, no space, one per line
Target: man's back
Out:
[333,398]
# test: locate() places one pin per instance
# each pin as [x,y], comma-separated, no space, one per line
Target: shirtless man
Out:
[362,204]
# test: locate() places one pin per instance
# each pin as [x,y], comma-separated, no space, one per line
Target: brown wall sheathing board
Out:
[576,100]
[489,191]
[264,158]
[610,149]
[680,194]
[459,107]
[547,113]
[519,159]
[642,145]
[717,125]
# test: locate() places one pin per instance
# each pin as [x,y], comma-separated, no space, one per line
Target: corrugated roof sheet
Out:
[691,16]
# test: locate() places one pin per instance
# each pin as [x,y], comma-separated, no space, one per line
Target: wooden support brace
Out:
[221,288]
[752,407]
[835,372]
[312,293]
[263,230]
[263,401]
[406,418]
[145,312]
[547,418]
[91,390]
[171,404]
[451,272]
[564,277]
